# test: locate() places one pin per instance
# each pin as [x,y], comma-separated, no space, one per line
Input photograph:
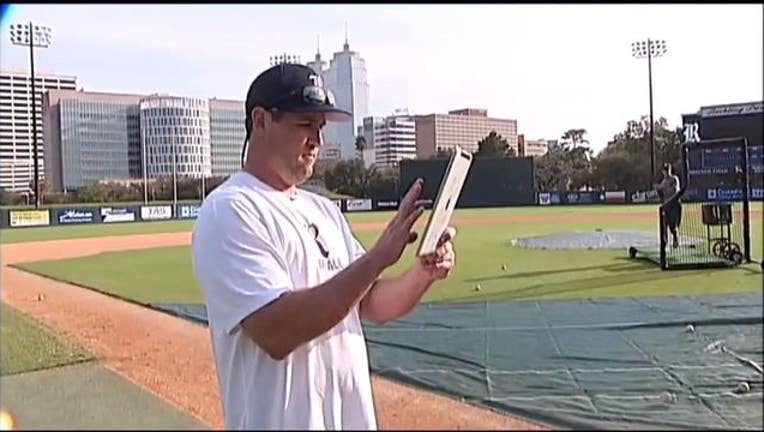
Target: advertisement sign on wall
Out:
[188,211]
[567,198]
[615,196]
[117,214]
[387,204]
[76,216]
[358,204]
[156,212]
[27,218]
[545,198]
[639,197]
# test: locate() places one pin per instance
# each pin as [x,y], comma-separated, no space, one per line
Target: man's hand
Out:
[393,297]
[398,234]
[438,264]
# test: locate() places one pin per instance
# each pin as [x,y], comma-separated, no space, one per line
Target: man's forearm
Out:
[391,298]
[303,315]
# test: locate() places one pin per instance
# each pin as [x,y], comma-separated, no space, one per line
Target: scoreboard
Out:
[715,171]
[725,160]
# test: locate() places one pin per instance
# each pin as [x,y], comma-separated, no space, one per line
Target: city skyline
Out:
[548,66]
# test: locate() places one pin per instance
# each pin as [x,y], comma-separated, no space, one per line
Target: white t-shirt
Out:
[251,244]
[668,187]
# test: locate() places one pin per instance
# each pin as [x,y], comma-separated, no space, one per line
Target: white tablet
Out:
[448,195]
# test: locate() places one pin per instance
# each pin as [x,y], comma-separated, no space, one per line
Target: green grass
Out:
[146,276]
[28,345]
[165,274]
[19,235]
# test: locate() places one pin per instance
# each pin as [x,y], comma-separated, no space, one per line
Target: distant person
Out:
[285,281]
[667,188]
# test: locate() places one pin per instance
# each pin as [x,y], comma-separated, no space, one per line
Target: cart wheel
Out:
[733,247]
[718,248]
[736,257]
[632,252]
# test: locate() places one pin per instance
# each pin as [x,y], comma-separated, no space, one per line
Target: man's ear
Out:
[258,115]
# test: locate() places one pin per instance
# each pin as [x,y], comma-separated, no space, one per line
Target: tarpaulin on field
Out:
[662,362]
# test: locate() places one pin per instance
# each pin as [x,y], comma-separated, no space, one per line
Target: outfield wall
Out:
[490,182]
[109,214]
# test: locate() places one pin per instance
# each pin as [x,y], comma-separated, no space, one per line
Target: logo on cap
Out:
[316,80]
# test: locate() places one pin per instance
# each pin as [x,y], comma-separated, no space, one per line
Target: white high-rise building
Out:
[318,65]
[16,138]
[346,78]
[175,134]
[93,136]
[389,139]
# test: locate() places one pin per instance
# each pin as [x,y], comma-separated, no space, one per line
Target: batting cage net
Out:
[706,223]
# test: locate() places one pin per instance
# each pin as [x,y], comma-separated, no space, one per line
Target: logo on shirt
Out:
[333,263]
[313,228]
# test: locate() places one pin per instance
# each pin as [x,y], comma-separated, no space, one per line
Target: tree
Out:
[579,161]
[573,138]
[625,162]
[492,145]
[11,198]
[552,171]
[351,177]
[567,164]
[360,143]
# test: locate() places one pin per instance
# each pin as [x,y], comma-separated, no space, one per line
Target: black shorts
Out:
[673,214]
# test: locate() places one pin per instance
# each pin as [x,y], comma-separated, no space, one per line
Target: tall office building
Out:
[464,128]
[330,151]
[346,78]
[318,65]
[533,148]
[226,135]
[90,137]
[392,138]
[175,135]
[101,136]
[16,138]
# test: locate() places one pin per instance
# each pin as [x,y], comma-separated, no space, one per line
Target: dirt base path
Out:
[171,357]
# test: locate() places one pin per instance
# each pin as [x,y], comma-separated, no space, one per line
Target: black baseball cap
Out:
[290,87]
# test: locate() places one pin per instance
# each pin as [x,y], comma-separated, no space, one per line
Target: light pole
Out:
[143,160]
[174,176]
[32,36]
[203,191]
[650,48]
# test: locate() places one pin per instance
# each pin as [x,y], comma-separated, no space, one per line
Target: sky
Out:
[551,67]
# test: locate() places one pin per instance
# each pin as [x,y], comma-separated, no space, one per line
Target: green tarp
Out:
[664,362]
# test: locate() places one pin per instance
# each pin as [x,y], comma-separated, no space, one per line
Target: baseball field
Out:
[56,277]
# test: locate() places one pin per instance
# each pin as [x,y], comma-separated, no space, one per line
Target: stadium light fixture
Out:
[33,36]
[648,49]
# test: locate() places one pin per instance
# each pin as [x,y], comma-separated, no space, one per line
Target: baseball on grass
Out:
[503,266]
[743,387]
[477,287]
[668,397]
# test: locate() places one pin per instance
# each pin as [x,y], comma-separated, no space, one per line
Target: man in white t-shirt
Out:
[286,282]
